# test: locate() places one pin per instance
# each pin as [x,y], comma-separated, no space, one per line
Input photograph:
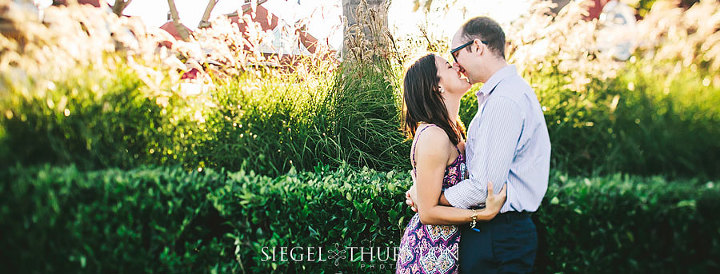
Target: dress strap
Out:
[417,136]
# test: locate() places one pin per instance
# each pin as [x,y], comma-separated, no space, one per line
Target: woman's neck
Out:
[452,103]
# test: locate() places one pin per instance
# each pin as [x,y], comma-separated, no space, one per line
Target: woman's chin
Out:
[461,88]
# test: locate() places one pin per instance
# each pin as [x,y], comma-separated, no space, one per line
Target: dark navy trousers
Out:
[505,244]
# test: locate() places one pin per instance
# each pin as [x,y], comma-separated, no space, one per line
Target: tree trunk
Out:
[119,6]
[366,20]
[350,8]
[259,2]
[176,21]
[204,22]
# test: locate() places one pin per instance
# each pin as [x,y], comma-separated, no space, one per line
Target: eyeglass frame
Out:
[453,51]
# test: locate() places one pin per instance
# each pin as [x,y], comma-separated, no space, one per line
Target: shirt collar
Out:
[496,78]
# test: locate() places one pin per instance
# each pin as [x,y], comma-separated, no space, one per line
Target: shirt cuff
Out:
[507,206]
[458,195]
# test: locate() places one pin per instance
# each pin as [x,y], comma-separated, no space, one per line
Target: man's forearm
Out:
[465,194]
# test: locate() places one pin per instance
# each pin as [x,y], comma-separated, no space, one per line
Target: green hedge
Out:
[628,224]
[170,220]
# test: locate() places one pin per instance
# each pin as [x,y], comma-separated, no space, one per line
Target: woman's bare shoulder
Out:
[433,142]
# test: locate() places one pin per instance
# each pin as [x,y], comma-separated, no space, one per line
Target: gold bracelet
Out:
[474,218]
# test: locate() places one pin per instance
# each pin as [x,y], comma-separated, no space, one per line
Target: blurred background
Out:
[171,135]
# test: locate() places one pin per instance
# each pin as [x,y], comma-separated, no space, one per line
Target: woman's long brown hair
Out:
[422,101]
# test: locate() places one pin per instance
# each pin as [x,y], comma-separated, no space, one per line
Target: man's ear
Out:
[479,46]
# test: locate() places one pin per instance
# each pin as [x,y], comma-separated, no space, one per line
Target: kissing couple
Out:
[473,191]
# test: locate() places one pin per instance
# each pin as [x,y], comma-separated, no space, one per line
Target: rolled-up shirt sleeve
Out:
[491,150]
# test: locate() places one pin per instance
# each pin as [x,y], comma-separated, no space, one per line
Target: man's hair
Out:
[487,30]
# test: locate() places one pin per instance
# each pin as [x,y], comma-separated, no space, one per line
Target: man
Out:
[507,142]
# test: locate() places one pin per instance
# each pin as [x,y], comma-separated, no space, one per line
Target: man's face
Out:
[465,61]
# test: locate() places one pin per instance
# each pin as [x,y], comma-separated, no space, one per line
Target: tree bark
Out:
[350,8]
[259,2]
[204,22]
[368,28]
[176,21]
[119,6]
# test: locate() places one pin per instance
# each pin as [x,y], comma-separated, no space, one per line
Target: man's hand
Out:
[494,202]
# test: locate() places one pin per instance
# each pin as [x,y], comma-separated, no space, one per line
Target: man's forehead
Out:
[456,40]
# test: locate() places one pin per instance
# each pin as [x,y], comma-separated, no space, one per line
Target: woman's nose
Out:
[458,68]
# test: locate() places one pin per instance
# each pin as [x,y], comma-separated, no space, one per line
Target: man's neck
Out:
[494,67]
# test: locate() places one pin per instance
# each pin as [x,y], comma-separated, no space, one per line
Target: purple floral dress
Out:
[432,248]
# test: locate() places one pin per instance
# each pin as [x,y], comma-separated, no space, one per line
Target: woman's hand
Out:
[411,197]
[494,202]
[411,194]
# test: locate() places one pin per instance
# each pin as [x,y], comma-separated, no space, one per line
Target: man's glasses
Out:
[452,52]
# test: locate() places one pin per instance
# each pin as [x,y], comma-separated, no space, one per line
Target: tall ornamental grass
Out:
[656,113]
[97,90]
[319,112]
[86,87]
[122,104]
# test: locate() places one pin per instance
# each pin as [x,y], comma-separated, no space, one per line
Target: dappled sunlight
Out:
[191,155]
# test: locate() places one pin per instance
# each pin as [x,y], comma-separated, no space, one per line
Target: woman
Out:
[431,96]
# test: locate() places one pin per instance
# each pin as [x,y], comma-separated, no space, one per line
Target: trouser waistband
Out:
[511,216]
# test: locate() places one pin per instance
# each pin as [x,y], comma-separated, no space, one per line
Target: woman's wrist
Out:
[473,217]
[485,214]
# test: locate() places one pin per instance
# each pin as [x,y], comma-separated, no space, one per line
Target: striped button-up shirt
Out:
[507,142]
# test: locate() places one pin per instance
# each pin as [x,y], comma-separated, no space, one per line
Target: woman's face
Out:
[451,80]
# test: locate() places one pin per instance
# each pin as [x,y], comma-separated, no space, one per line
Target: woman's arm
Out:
[432,153]
[494,204]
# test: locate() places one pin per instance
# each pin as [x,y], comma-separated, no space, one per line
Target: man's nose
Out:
[458,68]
